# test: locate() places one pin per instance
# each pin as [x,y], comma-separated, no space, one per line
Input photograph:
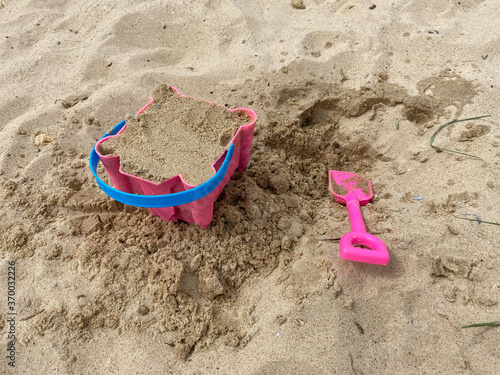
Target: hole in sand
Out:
[419,115]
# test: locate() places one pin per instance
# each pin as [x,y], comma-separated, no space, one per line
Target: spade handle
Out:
[355,216]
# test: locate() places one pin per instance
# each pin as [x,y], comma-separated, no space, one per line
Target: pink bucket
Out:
[200,210]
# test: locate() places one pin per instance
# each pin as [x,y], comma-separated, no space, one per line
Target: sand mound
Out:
[175,135]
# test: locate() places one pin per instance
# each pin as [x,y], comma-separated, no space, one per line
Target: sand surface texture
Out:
[175,135]
[105,288]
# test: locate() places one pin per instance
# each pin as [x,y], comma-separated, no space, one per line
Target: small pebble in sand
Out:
[453,230]
[300,322]
[360,328]
[43,140]
[299,4]
[373,6]
[280,319]
[142,310]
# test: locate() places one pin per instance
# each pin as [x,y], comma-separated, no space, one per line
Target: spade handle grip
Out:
[373,251]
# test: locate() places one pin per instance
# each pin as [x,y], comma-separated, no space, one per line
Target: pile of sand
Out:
[175,135]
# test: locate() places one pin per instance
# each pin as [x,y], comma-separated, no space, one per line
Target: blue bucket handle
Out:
[166,200]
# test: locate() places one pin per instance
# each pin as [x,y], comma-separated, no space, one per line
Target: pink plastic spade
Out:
[351,186]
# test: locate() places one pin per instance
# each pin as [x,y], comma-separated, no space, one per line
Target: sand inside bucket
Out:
[175,135]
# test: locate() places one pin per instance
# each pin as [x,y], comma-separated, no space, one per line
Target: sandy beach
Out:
[105,288]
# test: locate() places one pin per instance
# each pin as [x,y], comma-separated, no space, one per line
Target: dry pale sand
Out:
[102,288]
